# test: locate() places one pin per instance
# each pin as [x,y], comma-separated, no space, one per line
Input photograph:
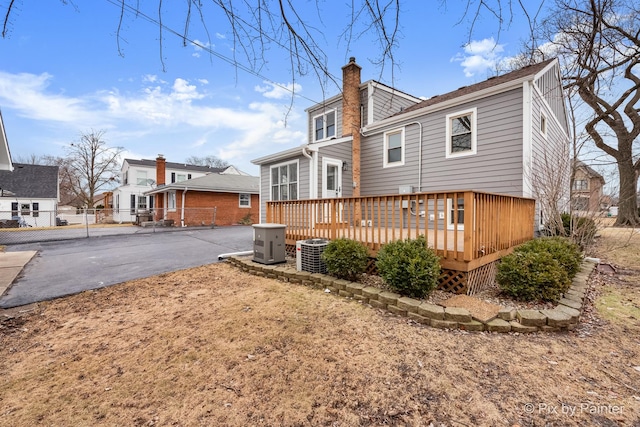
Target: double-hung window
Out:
[25,209]
[461,133]
[36,209]
[245,200]
[142,203]
[171,202]
[324,126]
[580,185]
[394,148]
[132,205]
[141,177]
[284,182]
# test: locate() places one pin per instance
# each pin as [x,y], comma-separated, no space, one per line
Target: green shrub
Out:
[563,250]
[409,266]
[528,276]
[346,258]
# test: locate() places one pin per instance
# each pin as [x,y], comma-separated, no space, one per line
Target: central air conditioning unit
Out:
[308,255]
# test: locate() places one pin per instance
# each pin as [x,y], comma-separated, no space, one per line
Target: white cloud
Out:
[28,94]
[199,46]
[177,119]
[480,56]
[220,36]
[278,90]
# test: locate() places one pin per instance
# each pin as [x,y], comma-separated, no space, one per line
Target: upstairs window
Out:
[461,133]
[580,185]
[324,126]
[284,182]
[141,177]
[394,148]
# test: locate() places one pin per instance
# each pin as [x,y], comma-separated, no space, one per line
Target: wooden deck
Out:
[468,229]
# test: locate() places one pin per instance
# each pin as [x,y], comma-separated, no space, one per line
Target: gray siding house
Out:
[500,136]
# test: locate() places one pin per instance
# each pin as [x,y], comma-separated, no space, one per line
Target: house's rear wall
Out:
[497,166]
[265,182]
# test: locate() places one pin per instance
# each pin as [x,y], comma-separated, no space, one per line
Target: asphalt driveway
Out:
[67,267]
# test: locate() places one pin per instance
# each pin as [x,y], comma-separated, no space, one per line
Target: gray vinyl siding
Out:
[334,104]
[364,96]
[342,152]
[497,166]
[550,162]
[265,182]
[551,90]
[386,104]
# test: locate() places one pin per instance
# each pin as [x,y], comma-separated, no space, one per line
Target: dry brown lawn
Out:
[212,346]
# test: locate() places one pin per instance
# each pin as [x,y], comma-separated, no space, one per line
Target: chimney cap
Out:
[160,156]
[352,59]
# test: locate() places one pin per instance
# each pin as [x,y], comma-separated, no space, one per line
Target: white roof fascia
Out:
[379,86]
[314,146]
[286,154]
[513,84]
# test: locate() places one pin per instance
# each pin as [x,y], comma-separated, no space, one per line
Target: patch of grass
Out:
[619,306]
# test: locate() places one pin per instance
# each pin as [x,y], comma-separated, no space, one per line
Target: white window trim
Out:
[544,130]
[297,162]
[385,146]
[474,134]
[324,125]
[240,200]
[175,201]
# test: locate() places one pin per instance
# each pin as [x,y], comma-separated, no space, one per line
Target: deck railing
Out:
[461,225]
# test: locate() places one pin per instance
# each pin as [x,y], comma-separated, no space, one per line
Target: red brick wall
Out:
[199,208]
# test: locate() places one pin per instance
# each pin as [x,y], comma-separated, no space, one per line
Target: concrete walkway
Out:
[11,264]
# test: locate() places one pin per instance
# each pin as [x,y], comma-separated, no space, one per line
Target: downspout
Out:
[184,195]
[313,175]
[419,155]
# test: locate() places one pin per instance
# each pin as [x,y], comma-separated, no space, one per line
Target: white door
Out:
[331,187]
[331,178]
[452,212]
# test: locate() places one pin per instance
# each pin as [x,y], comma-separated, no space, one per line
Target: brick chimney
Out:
[161,170]
[351,116]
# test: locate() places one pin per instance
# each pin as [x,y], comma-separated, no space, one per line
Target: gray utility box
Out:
[268,243]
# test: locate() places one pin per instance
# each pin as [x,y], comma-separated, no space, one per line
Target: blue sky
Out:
[61,74]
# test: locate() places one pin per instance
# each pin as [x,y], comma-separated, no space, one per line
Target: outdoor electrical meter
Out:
[268,243]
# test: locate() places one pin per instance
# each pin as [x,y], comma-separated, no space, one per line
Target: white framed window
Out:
[580,185]
[142,203]
[455,213]
[25,209]
[461,133]
[284,181]
[324,126]
[244,200]
[132,204]
[181,177]
[36,209]
[141,177]
[393,148]
[543,124]
[171,200]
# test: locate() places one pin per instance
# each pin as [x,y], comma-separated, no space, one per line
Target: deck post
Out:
[469,225]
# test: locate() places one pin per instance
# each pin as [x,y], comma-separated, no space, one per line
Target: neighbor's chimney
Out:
[351,117]
[161,169]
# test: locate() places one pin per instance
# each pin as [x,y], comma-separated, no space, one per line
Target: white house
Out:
[139,176]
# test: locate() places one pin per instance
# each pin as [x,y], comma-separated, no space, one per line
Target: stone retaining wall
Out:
[565,316]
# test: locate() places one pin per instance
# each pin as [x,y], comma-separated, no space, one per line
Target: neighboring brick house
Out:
[587,189]
[225,198]
[137,178]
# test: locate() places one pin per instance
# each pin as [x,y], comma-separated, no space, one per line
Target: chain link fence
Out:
[31,226]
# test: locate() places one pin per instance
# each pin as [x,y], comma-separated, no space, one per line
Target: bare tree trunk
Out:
[628,203]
